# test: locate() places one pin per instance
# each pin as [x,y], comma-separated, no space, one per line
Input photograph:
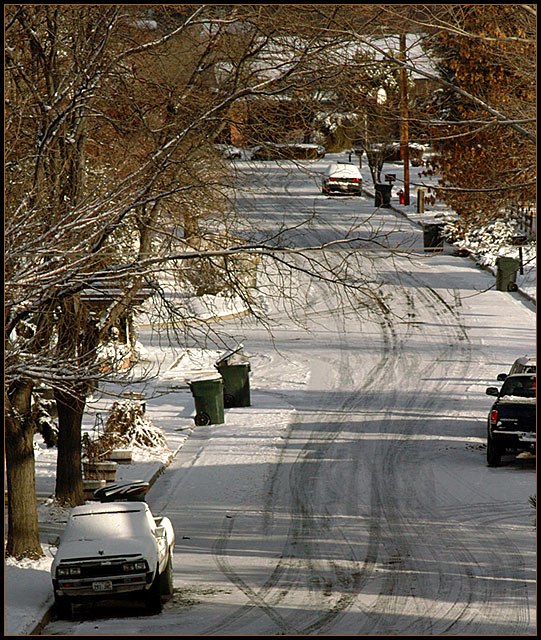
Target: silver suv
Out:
[525,364]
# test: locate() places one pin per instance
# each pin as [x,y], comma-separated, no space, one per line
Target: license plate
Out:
[105,585]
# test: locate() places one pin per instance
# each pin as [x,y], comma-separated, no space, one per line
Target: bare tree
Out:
[486,164]
[479,64]
[111,118]
[45,158]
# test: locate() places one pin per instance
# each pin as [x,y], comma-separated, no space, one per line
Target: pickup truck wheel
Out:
[166,578]
[63,608]
[153,597]
[494,453]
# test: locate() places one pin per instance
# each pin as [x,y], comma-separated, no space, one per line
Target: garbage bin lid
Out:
[203,378]
[507,259]
[235,356]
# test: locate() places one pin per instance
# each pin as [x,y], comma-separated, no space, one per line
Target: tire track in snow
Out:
[397,592]
[257,598]
[348,583]
[453,605]
[351,584]
[299,552]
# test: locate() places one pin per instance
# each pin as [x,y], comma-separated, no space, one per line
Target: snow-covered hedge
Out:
[490,239]
[127,427]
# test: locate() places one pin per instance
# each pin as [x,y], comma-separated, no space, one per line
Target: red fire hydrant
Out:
[401,197]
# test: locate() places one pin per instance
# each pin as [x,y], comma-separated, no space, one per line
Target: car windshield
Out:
[521,386]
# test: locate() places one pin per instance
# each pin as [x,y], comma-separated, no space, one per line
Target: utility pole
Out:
[404,132]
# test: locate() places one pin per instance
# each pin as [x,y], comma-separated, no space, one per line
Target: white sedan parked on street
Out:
[113,550]
[342,177]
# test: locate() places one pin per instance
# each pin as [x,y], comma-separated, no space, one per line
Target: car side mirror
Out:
[53,542]
[492,391]
[501,377]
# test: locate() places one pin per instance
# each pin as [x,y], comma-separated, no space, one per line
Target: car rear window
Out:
[520,386]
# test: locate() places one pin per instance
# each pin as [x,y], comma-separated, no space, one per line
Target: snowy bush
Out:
[489,239]
[114,356]
[128,428]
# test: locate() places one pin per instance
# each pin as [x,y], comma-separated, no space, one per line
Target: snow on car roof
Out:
[343,167]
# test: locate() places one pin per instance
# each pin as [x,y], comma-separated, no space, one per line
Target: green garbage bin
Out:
[235,371]
[506,273]
[208,397]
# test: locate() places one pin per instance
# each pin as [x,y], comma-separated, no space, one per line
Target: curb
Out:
[46,618]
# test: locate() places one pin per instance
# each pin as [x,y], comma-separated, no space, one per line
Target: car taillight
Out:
[494,416]
[356,180]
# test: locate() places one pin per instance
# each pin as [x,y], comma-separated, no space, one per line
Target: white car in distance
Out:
[342,177]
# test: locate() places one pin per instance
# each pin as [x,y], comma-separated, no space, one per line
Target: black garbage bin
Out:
[235,369]
[208,397]
[506,273]
[433,238]
[383,194]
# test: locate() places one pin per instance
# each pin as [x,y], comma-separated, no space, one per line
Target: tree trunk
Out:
[23,532]
[69,480]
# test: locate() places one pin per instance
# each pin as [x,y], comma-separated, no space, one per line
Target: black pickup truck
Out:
[511,421]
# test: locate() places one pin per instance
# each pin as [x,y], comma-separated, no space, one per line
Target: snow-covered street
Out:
[352,497]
